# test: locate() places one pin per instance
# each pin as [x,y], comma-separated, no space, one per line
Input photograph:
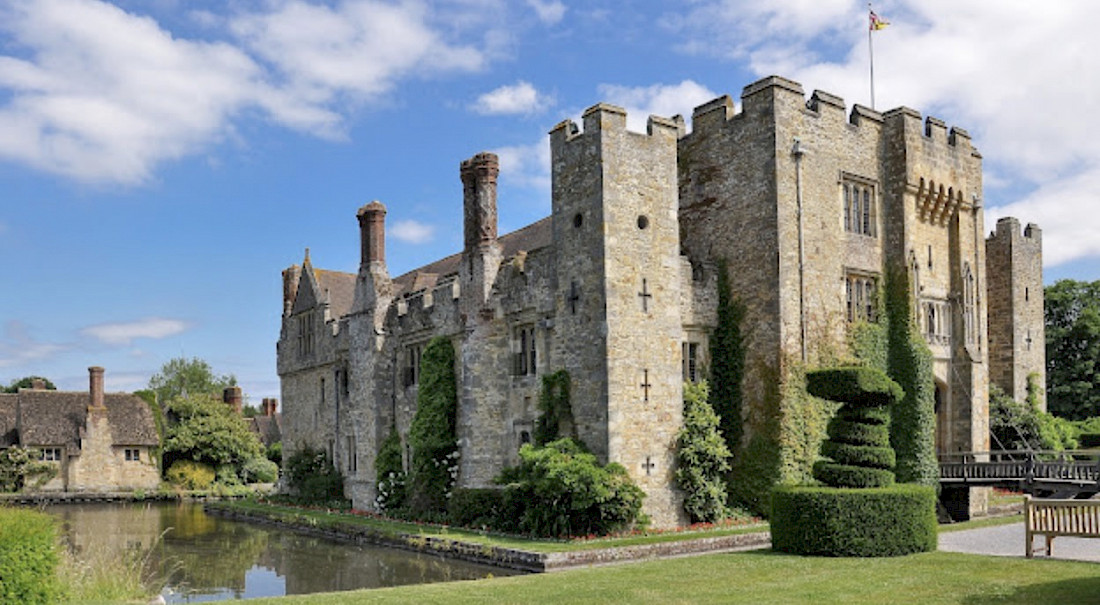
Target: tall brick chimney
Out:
[372,234]
[95,388]
[269,407]
[232,397]
[479,198]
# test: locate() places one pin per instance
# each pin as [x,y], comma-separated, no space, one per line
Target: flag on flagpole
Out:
[878,22]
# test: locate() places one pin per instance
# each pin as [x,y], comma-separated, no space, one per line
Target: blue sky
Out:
[161,161]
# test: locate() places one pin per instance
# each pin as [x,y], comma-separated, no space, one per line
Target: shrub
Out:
[1088,440]
[479,508]
[432,438]
[20,468]
[878,522]
[390,473]
[311,476]
[703,458]
[260,470]
[560,490]
[28,557]
[189,474]
[274,452]
[859,443]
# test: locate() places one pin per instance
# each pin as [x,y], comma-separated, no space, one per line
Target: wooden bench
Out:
[1054,518]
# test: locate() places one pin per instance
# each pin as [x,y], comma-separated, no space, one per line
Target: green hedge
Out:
[1088,440]
[858,433]
[479,508]
[859,455]
[878,522]
[857,386]
[831,473]
[28,557]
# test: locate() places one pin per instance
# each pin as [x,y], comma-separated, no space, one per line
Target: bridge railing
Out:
[1071,466]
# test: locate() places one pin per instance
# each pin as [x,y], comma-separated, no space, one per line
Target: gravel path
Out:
[1008,541]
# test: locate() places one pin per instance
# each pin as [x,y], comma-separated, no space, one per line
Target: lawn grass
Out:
[394,528]
[765,577]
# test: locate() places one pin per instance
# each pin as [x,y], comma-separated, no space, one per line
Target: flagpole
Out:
[871,52]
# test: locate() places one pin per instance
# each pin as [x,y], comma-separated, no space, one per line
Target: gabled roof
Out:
[57,418]
[9,403]
[533,236]
[340,287]
[268,428]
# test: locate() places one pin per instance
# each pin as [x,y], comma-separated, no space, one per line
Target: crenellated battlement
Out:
[1008,230]
[606,118]
[774,95]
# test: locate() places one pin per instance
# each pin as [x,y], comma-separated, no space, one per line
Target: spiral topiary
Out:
[859,435]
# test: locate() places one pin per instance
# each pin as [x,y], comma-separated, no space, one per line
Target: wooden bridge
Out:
[1066,474]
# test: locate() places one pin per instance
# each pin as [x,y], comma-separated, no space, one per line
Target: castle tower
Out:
[618,326]
[1017,335]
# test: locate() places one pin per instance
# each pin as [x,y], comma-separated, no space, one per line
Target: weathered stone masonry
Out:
[807,204]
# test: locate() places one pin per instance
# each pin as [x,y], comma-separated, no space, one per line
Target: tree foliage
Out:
[194,376]
[432,434]
[202,428]
[1073,348]
[727,364]
[1021,425]
[703,458]
[25,383]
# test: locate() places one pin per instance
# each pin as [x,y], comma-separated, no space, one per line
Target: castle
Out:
[808,205]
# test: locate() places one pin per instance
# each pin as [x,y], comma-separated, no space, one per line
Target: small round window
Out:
[643,221]
[578,220]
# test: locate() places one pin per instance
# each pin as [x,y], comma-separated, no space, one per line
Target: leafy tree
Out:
[202,428]
[1073,348]
[703,457]
[432,435]
[727,365]
[25,383]
[193,376]
[1021,425]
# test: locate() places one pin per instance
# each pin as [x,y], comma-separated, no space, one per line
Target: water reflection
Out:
[204,558]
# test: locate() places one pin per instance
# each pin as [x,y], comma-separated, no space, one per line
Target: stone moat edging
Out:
[508,558]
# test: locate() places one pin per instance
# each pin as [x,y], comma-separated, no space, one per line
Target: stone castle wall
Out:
[1017,333]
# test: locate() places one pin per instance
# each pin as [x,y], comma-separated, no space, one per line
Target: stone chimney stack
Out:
[95,388]
[232,397]
[372,234]
[479,199]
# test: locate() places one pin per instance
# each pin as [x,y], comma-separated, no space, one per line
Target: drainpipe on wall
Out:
[798,151]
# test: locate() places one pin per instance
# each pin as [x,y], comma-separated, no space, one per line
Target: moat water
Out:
[199,557]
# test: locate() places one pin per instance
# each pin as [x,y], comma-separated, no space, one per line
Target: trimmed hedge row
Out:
[28,557]
[877,522]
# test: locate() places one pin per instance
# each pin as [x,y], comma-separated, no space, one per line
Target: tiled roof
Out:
[57,418]
[341,286]
[8,405]
[533,236]
[268,428]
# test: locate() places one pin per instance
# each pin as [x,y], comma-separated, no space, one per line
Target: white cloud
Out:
[526,165]
[519,98]
[18,346]
[124,333]
[548,12]
[1015,74]
[102,95]
[663,100]
[412,232]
